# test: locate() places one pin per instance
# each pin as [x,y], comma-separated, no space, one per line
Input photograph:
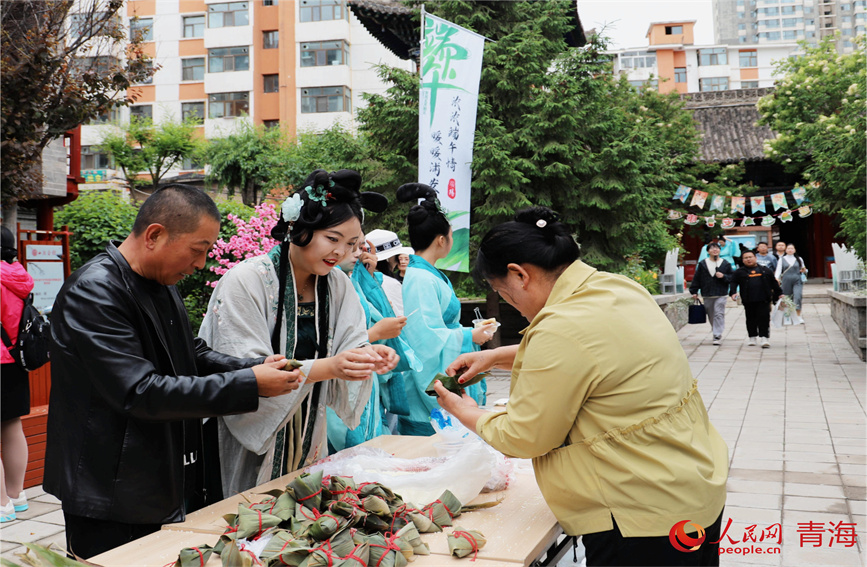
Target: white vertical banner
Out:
[451,66]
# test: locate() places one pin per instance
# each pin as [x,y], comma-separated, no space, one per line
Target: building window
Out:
[787,10]
[270,39]
[190,164]
[321,53]
[194,26]
[142,111]
[637,60]
[228,104]
[91,158]
[749,84]
[749,59]
[673,30]
[768,11]
[680,74]
[85,24]
[193,69]
[228,59]
[770,36]
[794,34]
[713,56]
[713,84]
[326,99]
[143,26]
[194,110]
[101,65]
[321,10]
[654,84]
[845,7]
[106,117]
[228,15]
[269,2]
[272,83]
[271,123]
[792,22]
[150,78]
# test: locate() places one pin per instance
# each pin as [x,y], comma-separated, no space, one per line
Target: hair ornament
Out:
[318,193]
[291,208]
[541,223]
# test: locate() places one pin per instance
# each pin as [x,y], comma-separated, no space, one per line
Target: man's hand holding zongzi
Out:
[274,381]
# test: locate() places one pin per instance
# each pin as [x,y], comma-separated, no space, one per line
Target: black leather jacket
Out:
[115,444]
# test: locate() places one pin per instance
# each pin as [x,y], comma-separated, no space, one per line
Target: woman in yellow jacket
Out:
[602,399]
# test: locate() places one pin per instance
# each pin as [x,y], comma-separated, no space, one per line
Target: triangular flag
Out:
[800,194]
[779,201]
[738,204]
[682,193]
[698,199]
[757,204]
[717,202]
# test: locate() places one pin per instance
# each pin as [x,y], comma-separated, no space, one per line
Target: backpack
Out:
[34,331]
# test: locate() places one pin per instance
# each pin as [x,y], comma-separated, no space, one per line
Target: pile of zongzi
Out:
[332,522]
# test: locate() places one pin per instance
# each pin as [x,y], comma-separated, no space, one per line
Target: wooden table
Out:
[519,530]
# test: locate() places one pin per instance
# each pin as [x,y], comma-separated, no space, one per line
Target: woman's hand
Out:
[388,356]
[275,358]
[386,328]
[483,334]
[354,364]
[474,362]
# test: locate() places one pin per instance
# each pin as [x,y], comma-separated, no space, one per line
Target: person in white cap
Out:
[387,247]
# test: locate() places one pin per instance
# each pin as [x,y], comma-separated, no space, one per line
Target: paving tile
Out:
[807,556]
[12,554]
[36,508]
[755,474]
[55,517]
[813,490]
[754,486]
[31,530]
[800,456]
[809,478]
[854,480]
[49,498]
[748,500]
[769,465]
[806,504]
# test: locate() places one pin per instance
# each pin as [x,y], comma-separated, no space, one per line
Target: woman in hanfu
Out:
[291,301]
[388,395]
[433,329]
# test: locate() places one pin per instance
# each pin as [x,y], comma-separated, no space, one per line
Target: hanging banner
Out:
[786,216]
[768,220]
[739,204]
[698,199]
[710,221]
[779,201]
[717,202]
[691,220]
[800,194]
[451,66]
[674,215]
[728,223]
[682,193]
[748,221]
[757,204]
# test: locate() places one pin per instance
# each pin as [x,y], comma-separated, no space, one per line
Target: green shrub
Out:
[636,270]
[93,219]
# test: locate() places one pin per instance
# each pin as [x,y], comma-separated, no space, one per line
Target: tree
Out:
[554,128]
[142,146]
[251,159]
[56,75]
[817,109]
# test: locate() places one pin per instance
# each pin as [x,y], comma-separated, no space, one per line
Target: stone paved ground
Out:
[793,416]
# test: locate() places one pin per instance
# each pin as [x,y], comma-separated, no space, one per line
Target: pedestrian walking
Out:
[792,273]
[15,285]
[712,278]
[763,258]
[779,250]
[757,288]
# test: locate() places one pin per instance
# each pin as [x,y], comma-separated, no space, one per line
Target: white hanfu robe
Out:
[241,316]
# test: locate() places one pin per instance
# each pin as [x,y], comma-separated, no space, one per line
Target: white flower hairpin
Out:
[541,223]
[291,209]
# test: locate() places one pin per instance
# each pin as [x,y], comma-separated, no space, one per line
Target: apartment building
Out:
[672,62]
[294,64]
[762,22]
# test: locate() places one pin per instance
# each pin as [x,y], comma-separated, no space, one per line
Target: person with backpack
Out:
[15,285]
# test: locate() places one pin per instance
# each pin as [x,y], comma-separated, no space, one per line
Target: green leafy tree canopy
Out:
[818,110]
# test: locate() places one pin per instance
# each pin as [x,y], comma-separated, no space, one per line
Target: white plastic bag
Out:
[783,317]
[418,481]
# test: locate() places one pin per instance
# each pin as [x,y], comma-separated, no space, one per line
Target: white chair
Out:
[668,284]
[848,272]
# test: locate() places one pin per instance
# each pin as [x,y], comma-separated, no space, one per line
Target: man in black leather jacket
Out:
[130,382]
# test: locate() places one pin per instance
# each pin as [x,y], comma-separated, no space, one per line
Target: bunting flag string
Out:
[779,201]
[727,222]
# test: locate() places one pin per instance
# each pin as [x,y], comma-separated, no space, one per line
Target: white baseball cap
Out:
[386,244]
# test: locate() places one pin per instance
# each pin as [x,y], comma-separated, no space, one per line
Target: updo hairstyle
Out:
[536,237]
[426,220]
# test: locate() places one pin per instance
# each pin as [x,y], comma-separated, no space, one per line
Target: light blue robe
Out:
[433,330]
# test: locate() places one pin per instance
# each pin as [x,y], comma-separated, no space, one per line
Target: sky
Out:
[626,21]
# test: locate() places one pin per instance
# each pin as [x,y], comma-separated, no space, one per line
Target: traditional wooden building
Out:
[727,121]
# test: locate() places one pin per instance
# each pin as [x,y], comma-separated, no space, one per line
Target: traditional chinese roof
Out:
[397,28]
[727,122]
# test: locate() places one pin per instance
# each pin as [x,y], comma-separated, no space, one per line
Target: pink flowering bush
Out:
[252,238]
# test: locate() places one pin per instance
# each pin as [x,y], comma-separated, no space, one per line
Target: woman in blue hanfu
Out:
[433,329]
[388,394]
[291,301]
